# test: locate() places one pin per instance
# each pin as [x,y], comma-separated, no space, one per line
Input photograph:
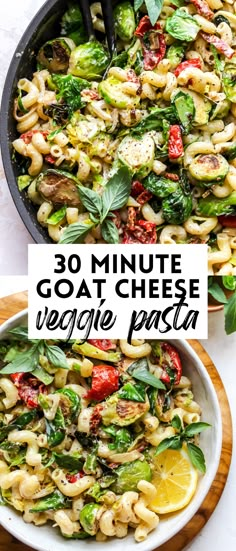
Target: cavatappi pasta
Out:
[78,442]
[165,109]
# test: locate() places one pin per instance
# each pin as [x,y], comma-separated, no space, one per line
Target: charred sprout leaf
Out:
[195,428]
[90,464]
[69,90]
[55,429]
[89,60]
[91,201]
[74,401]
[109,231]
[117,191]
[24,362]
[173,442]
[197,457]
[122,438]
[124,20]
[52,502]
[217,293]
[75,233]
[56,356]
[23,181]
[175,54]
[57,217]
[91,351]
[136,392]
[159,185]
[89,518]
[77,536]
[59,112]
[154,120]
[212,206]
[72,24]
[55,55]
[182,26]
[230,315]
[73,462]
[86,440]
[177,207]
[19,423]
[219,63]
[129,475]
[185,109]
[58,187]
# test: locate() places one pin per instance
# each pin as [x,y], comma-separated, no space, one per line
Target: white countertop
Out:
[220,531]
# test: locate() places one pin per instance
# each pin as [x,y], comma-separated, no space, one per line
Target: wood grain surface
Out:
[13,304]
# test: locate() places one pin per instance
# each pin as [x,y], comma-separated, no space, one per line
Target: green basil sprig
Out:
[100,207]
[154,8]
[186,435]
[27,360]
[139,370]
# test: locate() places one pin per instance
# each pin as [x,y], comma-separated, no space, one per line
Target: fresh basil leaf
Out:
[20,332]
[70,462]
[56,356]
[56,217]
[75,233]
[136,393]
[154,8]
[138,4]
[91,200]
[197,457]
[145,376]
[217,293]
[167,443]
[43,375]
[229,282]
[24,362]
[117,191]
[230,315]
[176,423]
[52,502]
[141,363]
[195,428]
[109,231]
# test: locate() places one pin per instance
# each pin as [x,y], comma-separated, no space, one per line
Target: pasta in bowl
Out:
[154,128]
[90,457]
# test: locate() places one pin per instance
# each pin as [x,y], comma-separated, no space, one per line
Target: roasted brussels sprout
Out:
[129,474]
[122,412]
[52,502]
[220,110]
[177,207]
[185,109]
[124,21]
[175,54]
[91,351]
[212,206]
[58,187]
[89,60]
[202,106]
[229,81]
[112,92]
[55,55]
[72,24]
[70,403]
[137,154]
[89,518]
[160,186]
[209,168]
[182,26]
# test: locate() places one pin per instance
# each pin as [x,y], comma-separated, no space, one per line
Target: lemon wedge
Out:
[175,479]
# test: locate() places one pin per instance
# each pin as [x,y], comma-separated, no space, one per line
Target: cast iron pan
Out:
[43,27]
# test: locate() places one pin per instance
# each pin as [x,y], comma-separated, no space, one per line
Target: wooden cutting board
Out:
[15,303]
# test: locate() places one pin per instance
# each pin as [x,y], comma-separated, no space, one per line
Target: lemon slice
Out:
[175,479]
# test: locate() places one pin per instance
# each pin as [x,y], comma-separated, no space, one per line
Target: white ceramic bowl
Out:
[45,538]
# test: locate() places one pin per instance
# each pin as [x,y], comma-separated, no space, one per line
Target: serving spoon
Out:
[107,12]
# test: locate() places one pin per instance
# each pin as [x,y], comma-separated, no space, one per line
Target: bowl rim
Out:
[147,545]
[31,225]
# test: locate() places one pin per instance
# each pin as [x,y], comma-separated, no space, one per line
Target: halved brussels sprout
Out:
[87,349]
[121,412]
[60,188]
[89,518]
[55,55]
[209,168]
[111,90]
[229,81]
[175,54]
[202,106]
[124,20]
[220,110]
[182,26]
[129,475]
[89,60]
[137,154]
